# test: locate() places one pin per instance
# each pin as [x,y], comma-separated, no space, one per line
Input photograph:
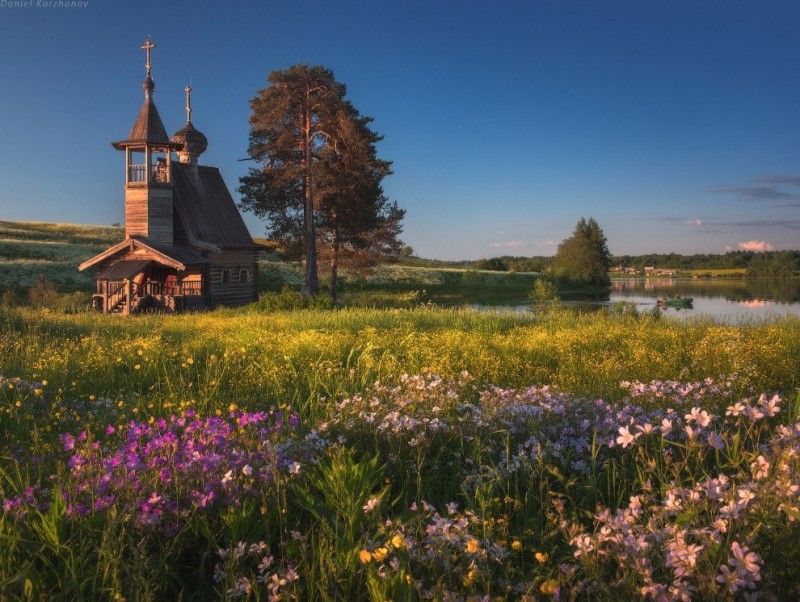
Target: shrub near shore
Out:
[319,482]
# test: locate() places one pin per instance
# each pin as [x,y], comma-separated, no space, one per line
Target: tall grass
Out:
[318,454]
[249,357]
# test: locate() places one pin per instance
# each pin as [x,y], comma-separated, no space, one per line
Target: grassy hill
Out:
[29,250]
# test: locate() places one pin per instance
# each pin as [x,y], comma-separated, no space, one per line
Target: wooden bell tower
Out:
[148,170]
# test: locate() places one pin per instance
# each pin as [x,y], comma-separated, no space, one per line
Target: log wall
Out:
[149,212]
[233,277]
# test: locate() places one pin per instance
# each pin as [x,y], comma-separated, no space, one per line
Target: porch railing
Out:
[113,293]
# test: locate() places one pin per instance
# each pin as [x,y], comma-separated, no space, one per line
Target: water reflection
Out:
[732,299]
[780,291]
[735,298]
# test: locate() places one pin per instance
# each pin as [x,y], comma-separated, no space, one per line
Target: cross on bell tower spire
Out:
[148,45]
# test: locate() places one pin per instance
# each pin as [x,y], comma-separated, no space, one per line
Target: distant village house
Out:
[186,245]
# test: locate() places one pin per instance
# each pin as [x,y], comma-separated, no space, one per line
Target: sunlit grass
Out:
[137,453]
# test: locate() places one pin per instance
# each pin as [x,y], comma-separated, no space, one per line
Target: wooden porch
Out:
[134,286]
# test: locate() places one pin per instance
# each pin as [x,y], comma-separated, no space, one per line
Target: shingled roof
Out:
[148,127]
[206,209]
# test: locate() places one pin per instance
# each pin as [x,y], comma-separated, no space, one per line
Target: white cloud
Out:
[695,222]
[756,245]
[512,244]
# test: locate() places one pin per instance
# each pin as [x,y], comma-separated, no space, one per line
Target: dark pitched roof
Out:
[148,126]
[182,253]
[124,268]
[206,208]
[176,256]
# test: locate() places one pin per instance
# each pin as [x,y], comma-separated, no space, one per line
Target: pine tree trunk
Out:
[335,265]
[311,284]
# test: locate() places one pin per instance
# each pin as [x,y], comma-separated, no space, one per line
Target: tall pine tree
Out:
[319,179]
[292,120]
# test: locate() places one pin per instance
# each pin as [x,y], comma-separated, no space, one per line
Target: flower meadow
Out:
[163,458]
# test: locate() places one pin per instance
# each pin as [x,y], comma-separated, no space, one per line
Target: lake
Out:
[728,299]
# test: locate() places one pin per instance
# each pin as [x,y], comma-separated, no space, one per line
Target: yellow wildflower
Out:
[549,587]
[398,541]
[472,546]
[516,545]
[364,556]
[380,554]
[541,557]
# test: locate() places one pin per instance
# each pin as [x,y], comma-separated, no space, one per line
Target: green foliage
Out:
[584,257]
[774,264]
[495,264]
[288,299]
[344,496]
[357,224]
[319,179]
[72,303]
[544,291]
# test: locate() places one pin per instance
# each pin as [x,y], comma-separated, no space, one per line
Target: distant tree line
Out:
[772,264]
[674,261]
[512,264]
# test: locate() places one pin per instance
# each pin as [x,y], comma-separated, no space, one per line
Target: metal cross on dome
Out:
[148,45]
[188,90]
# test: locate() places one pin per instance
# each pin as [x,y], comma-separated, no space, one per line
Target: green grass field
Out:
[421,453]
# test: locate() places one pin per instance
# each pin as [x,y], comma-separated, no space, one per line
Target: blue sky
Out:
[674,123]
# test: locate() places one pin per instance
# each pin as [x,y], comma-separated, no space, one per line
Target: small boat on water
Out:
[676,302]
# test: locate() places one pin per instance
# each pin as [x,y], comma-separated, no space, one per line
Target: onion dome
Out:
[193,142]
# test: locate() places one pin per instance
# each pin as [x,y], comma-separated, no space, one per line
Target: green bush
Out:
[42,293]
[289,299]
[73,303]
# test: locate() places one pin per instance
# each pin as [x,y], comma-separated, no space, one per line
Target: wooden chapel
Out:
[186,245]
